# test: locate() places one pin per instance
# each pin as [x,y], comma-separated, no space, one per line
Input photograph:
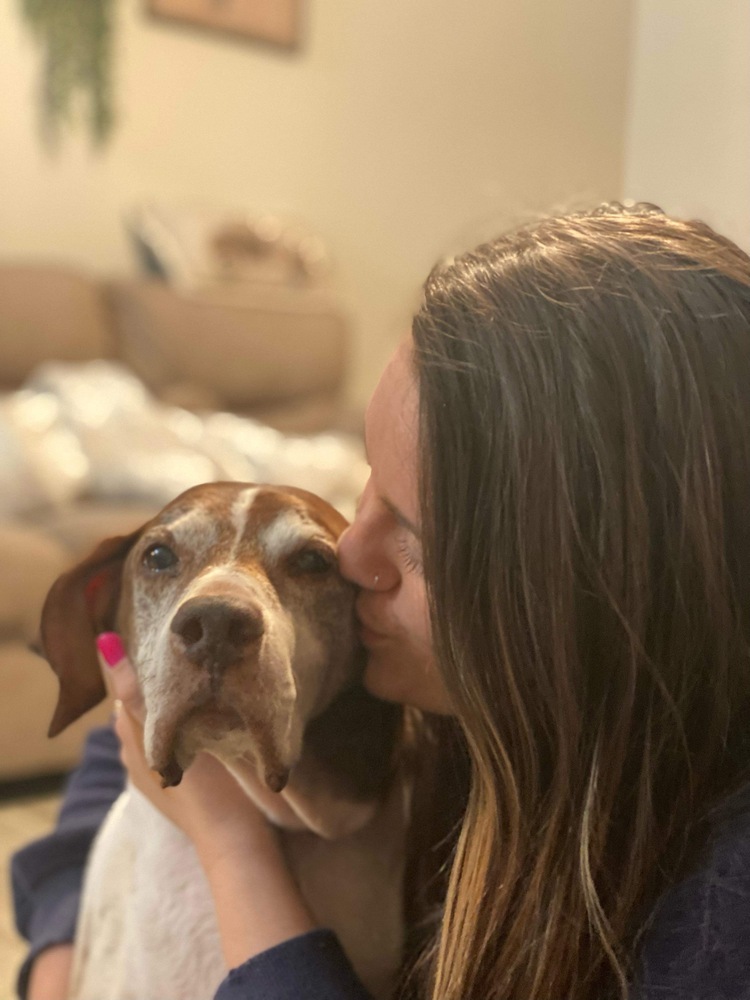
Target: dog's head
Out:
[243,636]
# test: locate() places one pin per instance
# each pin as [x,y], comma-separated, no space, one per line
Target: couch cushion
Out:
[28,694]
[30,562]
[249,345]
[79,527]
[49,312]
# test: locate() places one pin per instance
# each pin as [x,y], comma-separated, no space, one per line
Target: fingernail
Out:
[110,646]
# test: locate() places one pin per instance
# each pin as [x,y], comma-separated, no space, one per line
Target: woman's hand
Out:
[208,804]
[50,973]
[257,901]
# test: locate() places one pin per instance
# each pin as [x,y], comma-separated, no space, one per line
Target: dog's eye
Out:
[158,558]
[312,561]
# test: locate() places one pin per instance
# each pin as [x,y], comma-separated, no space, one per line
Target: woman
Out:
[553,549]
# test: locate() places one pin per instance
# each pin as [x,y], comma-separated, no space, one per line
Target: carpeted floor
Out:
[26,812]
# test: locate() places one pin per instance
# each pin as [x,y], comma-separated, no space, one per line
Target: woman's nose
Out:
[349,554]
[362,558]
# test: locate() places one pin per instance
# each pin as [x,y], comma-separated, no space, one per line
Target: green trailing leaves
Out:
[76,40]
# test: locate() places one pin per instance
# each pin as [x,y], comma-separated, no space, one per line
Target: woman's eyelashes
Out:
[411,558]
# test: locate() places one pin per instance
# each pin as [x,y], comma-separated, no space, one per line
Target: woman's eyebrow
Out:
[402,519]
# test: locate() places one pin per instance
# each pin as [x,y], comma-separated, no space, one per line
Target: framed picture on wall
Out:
[273,21]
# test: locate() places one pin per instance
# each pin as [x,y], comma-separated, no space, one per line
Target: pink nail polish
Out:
[111,647]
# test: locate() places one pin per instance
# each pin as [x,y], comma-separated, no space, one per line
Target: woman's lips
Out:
[376,625]
[370,635]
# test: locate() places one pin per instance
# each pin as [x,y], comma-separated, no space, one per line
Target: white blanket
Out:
[93,430]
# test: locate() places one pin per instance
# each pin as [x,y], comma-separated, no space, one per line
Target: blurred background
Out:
[395,131]
[215,219]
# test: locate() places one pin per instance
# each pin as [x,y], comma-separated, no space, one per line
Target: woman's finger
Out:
[130,733]
[119,674]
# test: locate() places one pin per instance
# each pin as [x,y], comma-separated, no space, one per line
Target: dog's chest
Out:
[147,929]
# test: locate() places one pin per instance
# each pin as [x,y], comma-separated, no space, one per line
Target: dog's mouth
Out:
[200,724]
[220,729]
[221,718]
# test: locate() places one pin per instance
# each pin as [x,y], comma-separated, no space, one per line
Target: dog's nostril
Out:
[191,631]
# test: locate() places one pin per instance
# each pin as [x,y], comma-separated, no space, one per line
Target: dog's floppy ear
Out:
[81,604]
[348,763]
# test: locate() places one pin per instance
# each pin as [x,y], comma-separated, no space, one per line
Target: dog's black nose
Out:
[215,633]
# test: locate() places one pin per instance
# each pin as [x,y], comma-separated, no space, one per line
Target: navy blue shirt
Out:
[697,946]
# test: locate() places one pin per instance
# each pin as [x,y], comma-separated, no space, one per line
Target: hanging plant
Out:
[76,38]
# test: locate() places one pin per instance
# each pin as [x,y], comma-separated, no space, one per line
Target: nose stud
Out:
[376,580]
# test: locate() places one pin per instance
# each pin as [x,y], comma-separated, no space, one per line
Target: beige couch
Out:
[273,351]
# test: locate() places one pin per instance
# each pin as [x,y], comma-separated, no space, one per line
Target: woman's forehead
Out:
[391,425]
[393,407]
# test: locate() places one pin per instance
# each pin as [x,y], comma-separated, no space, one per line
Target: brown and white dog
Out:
[243,636]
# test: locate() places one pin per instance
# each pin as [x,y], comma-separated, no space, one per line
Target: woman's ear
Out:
[81,604]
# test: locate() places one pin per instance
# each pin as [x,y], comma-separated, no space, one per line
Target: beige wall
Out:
[688,122]
[399,131]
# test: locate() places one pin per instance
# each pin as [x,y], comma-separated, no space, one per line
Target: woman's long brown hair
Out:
[585,433]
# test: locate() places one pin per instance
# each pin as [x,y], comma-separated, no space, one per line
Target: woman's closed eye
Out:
[410,554]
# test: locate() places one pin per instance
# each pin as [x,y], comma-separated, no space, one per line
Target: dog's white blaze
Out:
[240,510]
[225,573]
[284,534]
